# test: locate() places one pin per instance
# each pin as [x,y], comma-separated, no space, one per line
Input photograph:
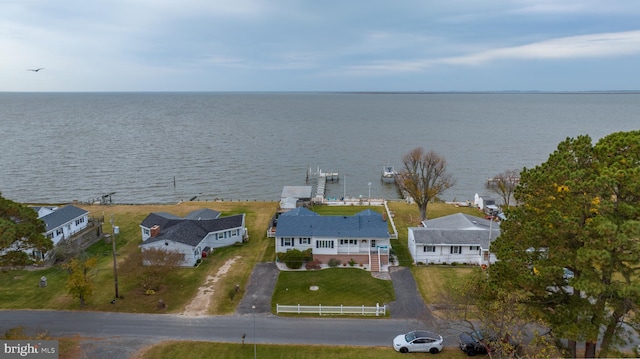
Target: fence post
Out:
[298,308]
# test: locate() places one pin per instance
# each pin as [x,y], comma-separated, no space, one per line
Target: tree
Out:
[79,284]
[504,185]
[579,212]
[424,177]
[504,319]
[151,266]
[20,230]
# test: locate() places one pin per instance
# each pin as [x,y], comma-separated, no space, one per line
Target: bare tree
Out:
[504,184]
[424,177]
[151,266]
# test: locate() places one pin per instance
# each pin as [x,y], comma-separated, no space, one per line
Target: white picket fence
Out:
[378,310]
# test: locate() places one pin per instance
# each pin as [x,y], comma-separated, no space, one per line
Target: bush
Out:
[293,258]
[352,262]
[333,262]
[313,265]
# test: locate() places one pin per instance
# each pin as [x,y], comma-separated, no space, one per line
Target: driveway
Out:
[259,289]
[408,303]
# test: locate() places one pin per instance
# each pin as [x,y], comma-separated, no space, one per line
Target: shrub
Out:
[333,262]
[293,258]
[352,262]
[313,265]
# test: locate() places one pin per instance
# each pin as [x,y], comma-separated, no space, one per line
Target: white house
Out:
[459,238]
[62,223]
[362,238]
[194,235]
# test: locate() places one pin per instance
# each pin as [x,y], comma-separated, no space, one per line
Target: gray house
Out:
[194,235]
[459,238]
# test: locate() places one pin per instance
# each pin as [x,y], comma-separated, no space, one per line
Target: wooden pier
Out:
[323,177]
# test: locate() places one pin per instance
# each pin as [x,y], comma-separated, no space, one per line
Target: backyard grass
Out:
[336,286]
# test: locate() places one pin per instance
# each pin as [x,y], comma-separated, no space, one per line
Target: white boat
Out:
[389,174]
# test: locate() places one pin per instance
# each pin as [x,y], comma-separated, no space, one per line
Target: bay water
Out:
[170,147]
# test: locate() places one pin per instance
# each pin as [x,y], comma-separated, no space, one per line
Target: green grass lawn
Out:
[337,286]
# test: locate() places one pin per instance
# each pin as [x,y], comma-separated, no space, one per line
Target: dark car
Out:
[479,343]
[472,343]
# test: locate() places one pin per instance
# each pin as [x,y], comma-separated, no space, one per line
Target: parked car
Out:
[479,343]
[418,341]
[472,343]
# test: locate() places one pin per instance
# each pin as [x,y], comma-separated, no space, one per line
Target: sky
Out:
[319,45]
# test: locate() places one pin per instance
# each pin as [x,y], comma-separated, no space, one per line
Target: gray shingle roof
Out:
[304,223]
[204,213]
[457,229]
[189,231]
[62,215]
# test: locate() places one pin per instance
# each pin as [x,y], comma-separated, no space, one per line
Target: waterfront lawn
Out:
[187,350]
[337,286]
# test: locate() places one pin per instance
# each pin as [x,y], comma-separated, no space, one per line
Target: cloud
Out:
[574,47]
[584,46]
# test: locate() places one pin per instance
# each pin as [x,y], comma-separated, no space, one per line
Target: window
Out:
[344,242]
[146,232]
[429,248]
[373,243]
[286,242]
[474,248]
[324,244]
[80,220]
[456,249]
[305,240]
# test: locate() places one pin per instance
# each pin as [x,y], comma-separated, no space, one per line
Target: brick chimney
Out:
[155,230]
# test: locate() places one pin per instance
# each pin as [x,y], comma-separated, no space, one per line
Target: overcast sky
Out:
[319,45]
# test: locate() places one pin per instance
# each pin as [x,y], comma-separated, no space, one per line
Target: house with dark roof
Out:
[194,235]
[459,238]
[62,223]
[362,238]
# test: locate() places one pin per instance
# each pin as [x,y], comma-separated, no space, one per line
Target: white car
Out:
[418,341]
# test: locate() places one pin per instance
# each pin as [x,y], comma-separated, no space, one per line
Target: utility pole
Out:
[115,268]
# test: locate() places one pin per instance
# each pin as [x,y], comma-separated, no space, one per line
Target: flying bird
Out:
[36,70]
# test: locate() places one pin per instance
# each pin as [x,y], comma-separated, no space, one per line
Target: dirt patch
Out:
[200,304]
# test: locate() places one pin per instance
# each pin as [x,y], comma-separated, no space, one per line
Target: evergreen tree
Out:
[20,229]
[572,245]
